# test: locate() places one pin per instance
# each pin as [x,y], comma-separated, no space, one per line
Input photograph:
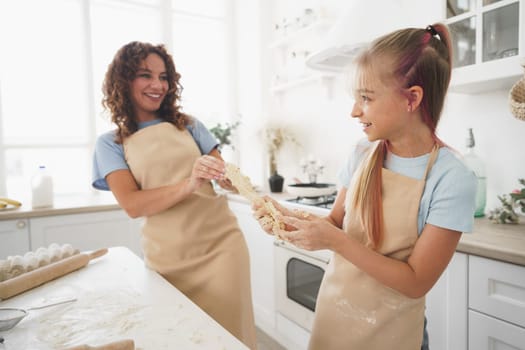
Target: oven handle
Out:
[281,244]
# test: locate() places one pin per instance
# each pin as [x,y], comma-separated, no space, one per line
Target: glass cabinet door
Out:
[464,42]
[458,7]
[483,30]
[501,32]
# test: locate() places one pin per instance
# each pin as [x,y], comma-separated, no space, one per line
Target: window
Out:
[54,59]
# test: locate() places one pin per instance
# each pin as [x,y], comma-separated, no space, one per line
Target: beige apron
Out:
[356,312]
[196,245]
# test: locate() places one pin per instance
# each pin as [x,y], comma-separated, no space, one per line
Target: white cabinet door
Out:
[446,307]
[488,333]
[14,237]
[260,246]
[497,289]
[87,231]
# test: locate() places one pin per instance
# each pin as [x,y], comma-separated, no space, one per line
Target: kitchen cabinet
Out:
[488,44]
[496,305]
[290,52]
[87,231]
[446,307]
[260,246]
[477,304]
[14,237]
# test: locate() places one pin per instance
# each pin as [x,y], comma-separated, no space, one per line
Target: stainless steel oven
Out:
[298,276]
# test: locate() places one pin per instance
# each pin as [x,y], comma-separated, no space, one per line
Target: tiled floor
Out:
[265,342]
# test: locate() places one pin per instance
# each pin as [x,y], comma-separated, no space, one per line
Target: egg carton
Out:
[17,265]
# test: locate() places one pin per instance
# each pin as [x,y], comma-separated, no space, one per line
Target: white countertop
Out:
[117,298]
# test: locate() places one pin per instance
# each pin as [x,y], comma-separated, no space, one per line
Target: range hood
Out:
[360,23]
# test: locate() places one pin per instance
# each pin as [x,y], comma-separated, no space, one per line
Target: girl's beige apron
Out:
[356,312]
[196,245]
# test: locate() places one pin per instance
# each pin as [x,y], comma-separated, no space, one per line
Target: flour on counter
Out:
[102,316]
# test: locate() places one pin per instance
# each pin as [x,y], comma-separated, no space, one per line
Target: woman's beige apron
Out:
[196,245]
[356,312]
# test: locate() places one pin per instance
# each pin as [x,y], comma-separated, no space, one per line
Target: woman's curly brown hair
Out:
[117,82]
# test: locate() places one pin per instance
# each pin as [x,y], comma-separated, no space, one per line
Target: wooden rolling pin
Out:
[32,279]
[127,344]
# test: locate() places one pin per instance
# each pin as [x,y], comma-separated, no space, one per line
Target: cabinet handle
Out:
[21,224]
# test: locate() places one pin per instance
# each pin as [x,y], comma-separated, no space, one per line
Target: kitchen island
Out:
[118,297]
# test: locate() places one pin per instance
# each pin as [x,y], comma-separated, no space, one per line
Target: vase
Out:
[276,182]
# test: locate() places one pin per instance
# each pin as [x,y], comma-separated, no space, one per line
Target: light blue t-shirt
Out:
[448,200]
[109,156]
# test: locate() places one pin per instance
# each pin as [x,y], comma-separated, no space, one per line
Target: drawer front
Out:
[488,333]
[497,289]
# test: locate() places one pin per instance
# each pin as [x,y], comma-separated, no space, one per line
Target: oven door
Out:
[298,276]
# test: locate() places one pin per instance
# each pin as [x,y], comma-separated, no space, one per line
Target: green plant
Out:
[223,133]
[505,214]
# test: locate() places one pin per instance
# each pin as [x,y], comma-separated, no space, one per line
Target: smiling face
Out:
[149,87]
[380,106]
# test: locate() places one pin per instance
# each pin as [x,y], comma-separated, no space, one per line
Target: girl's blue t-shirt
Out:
[448,200]
[109,156]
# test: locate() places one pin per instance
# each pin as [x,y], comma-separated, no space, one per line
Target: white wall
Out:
[320,118]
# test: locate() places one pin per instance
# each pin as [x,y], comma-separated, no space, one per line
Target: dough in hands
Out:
[245,188]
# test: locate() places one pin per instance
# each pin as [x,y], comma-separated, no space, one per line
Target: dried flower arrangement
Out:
[276,137]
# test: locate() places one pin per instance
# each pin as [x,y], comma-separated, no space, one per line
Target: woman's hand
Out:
[206,168]
[226,184]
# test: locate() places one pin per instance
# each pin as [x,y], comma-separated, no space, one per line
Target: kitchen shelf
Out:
[325,79]
[286,40]
[488,76]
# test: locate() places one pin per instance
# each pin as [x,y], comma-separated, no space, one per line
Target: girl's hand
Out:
[264,217]
[311,232]
[206,168]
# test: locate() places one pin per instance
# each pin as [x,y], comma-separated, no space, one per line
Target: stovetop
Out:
[322,201]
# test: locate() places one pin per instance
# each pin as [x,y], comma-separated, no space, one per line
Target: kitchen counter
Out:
[65,204]
[503,242]
[117,298]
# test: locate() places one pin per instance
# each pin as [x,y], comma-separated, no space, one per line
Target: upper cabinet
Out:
[488,39]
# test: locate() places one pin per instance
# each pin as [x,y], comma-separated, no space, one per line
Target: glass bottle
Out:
[474,162]
[42,188]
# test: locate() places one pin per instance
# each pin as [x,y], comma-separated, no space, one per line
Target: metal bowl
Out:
[311,190]
[10,317]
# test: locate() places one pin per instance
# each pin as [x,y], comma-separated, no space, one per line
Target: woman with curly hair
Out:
[158,163]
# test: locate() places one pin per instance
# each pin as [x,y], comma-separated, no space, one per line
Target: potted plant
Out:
[223,133]
[512,207]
